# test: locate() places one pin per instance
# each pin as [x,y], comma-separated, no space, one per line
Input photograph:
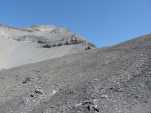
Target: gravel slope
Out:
[110,80]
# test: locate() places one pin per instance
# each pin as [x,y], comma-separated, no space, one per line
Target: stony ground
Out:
[109,80]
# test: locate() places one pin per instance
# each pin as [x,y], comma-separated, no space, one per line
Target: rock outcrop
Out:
[37,43]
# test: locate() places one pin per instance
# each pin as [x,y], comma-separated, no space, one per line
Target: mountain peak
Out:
[43,27]
[20,46]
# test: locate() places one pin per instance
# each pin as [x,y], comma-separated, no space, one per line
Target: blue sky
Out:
[103,22]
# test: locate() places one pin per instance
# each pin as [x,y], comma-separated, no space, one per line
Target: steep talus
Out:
[108,80]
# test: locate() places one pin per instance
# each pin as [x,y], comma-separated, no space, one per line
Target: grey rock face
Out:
[111,80]
[38,43]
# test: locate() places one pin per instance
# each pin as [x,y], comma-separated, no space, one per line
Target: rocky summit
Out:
[84,79]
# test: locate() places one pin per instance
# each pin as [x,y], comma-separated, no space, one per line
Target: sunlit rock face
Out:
[20,46]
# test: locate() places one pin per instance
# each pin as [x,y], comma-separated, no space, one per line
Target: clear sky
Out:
[104,22]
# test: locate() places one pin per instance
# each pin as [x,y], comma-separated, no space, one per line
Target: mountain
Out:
[139,42]
[20,46]
[116,79]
